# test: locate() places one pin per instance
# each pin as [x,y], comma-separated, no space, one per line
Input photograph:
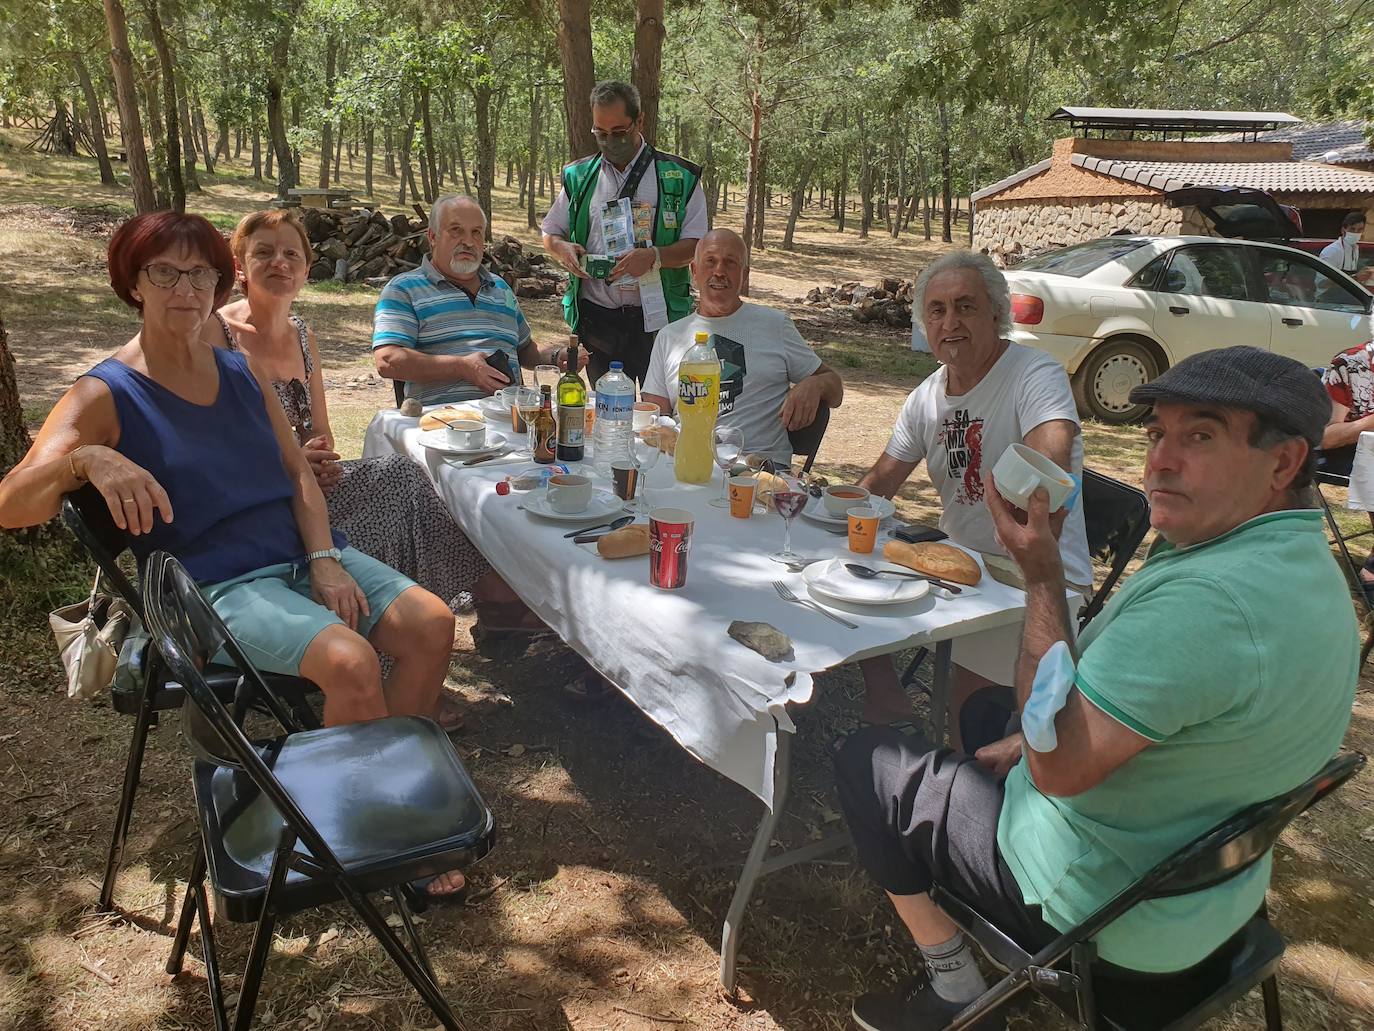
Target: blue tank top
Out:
[221,468]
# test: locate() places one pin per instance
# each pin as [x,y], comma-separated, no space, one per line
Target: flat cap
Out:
[1281,389]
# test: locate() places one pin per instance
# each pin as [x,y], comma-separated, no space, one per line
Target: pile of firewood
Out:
[367,246]
[888,302]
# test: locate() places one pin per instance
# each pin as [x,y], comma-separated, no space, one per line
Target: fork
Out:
[785,593]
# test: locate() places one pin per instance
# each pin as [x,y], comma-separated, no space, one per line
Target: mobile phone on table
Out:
[501,362]
[915,533]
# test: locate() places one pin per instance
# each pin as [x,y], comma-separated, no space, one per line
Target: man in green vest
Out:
[616,302]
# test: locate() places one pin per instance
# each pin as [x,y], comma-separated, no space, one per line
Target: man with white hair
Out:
[435,327]
[987,394]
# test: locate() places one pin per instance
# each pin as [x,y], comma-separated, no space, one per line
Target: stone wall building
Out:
[1091,187]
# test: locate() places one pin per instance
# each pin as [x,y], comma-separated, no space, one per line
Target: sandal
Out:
[449,716]
[589,688]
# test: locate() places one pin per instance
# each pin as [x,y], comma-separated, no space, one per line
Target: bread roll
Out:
[767,483]
[627,542]
[441,417]
[664,436]
[934,559]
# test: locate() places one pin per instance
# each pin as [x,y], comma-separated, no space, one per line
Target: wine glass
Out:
[788,502]
[728,443]
[547,376]
[645,453]
[527,404]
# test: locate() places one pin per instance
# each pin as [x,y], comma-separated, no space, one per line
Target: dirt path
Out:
[601,907]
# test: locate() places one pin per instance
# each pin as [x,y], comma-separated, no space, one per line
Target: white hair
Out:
[999,294]
[436,212]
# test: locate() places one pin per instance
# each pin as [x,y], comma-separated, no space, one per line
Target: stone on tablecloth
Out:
[767,640]
[411,407]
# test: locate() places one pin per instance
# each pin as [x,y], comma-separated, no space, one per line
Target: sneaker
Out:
[913,1006]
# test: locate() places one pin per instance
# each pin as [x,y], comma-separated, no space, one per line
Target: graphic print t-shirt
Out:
[1350,381]
[761,355]
[961,438]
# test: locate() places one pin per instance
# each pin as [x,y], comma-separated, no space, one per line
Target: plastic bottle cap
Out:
[617,365]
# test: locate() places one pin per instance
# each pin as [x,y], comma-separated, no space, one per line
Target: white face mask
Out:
[1352,237]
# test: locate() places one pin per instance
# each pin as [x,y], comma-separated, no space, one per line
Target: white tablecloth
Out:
[1361,494]
[668,650]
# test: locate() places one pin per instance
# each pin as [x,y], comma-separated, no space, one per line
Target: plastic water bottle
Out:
[615,402]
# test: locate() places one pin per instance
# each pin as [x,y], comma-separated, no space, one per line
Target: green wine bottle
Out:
[572,410]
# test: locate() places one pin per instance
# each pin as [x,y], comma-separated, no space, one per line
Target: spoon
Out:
[869,573]
[614,524]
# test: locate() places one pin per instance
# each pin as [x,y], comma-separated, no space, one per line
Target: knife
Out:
[483,458]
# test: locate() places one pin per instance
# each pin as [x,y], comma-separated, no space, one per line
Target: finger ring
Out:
[127,500]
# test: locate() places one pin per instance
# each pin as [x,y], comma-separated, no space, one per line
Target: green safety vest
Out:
[676,181]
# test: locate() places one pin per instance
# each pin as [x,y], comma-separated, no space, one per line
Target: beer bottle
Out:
[545,435]
[572,409]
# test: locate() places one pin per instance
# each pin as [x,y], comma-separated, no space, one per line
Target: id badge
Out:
[669,218]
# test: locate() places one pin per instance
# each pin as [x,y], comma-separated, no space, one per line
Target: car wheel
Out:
[1103,383]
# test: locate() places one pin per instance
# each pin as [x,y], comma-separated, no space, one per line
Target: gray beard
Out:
[464,267]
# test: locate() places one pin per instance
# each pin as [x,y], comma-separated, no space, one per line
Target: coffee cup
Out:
[1021,470]
[742,490]
[840,498]
[466,434]
[569,493]
[863,529]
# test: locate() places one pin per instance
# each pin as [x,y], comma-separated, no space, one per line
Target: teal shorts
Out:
[273,616]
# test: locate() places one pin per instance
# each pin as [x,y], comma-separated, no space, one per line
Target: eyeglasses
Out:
[614,134]
[168,276]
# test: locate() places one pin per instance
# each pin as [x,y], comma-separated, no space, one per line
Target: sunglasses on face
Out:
[168,276]
[300,400]
[613,134]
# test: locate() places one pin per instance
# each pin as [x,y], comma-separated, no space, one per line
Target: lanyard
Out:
[637,170]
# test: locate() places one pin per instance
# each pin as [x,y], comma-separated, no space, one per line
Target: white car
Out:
[1118,311]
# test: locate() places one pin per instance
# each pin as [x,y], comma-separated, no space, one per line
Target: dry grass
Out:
[601,907]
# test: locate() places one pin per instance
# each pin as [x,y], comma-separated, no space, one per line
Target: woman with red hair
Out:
[193,455]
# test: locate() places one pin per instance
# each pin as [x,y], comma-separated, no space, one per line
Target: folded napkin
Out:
[832,576]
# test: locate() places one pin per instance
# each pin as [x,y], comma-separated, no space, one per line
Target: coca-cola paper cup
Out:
[670,538]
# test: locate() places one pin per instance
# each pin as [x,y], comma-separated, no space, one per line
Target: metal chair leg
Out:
[416,945]
[415,974]
[262,934]
[124,813]
[211,953]
[1273,1012]
[188,913]
[909,677]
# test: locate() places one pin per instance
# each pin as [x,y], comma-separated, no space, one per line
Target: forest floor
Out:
[601,906]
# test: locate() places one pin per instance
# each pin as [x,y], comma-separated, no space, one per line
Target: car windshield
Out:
[1082,258]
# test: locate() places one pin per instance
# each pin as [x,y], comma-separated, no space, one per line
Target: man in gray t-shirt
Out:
[771,381]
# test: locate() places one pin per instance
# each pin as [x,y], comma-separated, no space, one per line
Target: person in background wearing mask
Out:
[1344,251]
[613,320]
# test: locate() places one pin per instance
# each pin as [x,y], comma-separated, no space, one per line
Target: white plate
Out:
[437,440]
[831,580]
[816,511]
[603,505]
[491,406]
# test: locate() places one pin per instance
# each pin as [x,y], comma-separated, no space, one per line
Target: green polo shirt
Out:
[1237,658]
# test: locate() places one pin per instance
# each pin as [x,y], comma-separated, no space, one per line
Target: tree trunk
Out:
[532,151]
[753,179]
[865,179]
[188,139]
[208,156]
[338,151]
[126,99]
[575,52]
[407,174]
[842,191]
[176,187]
[267,171]
[427,126]
[14,435]
[710,174]
[331,52]
[63,142]
[760,196]
[484,169]
[389,154]
[102,156]
[647,61]
[257,150]
[369,142]
[946,233]
[803,183]
[288,174]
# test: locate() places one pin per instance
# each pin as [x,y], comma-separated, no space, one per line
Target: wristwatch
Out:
[333,553]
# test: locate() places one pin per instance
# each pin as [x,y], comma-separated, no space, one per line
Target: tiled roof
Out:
[1276,176]
[1335,143]
[1012,180]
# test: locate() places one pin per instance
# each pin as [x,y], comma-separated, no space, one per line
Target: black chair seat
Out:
[1132,1001]
[390,797]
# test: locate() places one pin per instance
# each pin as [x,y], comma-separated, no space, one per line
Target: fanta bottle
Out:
[698,403]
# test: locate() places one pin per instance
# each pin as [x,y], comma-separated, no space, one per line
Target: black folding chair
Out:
[1102,996]
[1342,539]
[308,817]
[1116,518]
[807,440]
[143,686]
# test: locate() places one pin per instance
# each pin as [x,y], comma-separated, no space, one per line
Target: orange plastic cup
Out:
[742,490]
[863,530]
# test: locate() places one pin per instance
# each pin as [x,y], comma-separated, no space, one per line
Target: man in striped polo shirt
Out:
[434,327]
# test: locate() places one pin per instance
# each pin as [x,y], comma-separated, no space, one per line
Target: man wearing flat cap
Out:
[1221,674]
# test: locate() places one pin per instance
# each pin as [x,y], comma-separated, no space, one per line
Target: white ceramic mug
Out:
[840,498]
[1022,469]
[467,434]
[569,493]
